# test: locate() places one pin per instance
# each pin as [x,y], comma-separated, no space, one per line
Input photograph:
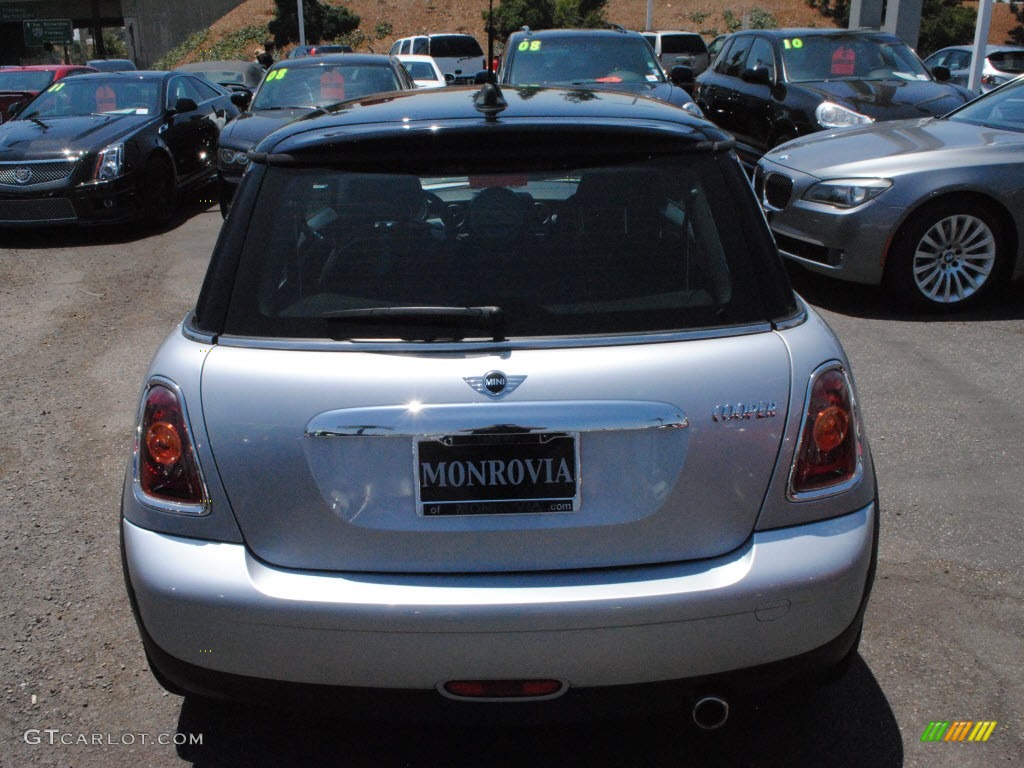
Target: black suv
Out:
[593,59]
[767,86]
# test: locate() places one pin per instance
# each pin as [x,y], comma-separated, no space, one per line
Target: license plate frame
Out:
[497,473]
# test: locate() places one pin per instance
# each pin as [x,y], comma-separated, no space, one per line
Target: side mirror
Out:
[241,99]
[185,105]
[681,75]
[757,75]
[14,109]
[941,73]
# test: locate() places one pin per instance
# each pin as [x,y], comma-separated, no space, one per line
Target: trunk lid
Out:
[668,448]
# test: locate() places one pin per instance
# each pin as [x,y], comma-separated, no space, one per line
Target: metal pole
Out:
[490,40]
[650,16]
[302,25]
[980,42]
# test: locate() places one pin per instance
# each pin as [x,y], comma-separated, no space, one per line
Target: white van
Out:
[675,48]
[459,56]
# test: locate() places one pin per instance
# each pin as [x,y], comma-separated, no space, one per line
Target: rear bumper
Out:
[216,620]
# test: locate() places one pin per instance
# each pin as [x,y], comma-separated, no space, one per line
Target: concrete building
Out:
[152,27]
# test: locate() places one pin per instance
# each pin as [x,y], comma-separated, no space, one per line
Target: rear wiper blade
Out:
[431,323]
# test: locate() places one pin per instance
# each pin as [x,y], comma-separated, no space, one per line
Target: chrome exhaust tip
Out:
[710,713]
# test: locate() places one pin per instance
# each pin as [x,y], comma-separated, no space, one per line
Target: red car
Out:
[20,84]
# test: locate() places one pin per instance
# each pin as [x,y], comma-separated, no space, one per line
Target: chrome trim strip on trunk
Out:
[481,418]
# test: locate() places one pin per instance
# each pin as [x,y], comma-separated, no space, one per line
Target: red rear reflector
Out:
[502,689]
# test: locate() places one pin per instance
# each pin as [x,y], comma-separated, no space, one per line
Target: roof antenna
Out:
[490,101]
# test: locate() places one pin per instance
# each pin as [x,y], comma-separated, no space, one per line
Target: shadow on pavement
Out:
[872,302]
[55,237]
[843,724]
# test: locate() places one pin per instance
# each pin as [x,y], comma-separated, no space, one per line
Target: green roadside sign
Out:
[39,31]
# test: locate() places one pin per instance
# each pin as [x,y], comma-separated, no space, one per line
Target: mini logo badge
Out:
[494,384]
[22,175]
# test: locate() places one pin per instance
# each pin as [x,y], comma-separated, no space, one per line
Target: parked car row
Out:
[487,383]
[765,87]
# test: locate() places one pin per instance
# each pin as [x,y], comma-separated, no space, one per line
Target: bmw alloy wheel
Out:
[954,258]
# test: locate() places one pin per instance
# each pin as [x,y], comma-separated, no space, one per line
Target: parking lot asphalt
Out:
[82,314]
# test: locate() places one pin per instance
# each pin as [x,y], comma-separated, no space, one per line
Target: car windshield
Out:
[76,96]
[318,86]
[815,58]
[25,80]
[597,250]
[584,60]
[1002,108]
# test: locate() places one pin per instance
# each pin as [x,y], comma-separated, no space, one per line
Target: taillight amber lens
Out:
[167,463]
[827,454]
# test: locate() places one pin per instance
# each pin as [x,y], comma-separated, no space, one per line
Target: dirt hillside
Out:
[705,16]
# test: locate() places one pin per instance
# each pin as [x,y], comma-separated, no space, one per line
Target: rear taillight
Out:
[167,466]
[827,455]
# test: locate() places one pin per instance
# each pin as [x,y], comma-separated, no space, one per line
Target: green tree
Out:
[580,13]
[357,38]
[1016,35]
[944,22]
[761,18]
[510,15]
[320,21]
[833,9]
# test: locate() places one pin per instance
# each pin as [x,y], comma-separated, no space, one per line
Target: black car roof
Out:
[548,108]
[574,32]
[817,32]
[382,59]
[131,74]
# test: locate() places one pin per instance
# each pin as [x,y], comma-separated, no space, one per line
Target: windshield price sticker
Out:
[796,43]
[529,45]
[497,474]
[277,74]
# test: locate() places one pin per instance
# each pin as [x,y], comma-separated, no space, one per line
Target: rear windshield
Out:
[597,250]
[683,44]
[448,46]
[421,70]
[1008,61]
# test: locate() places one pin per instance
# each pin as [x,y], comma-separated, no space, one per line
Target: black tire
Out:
[947,257]
[223,193]
[159,194]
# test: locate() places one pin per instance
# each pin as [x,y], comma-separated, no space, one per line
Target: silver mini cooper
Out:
[495,398]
